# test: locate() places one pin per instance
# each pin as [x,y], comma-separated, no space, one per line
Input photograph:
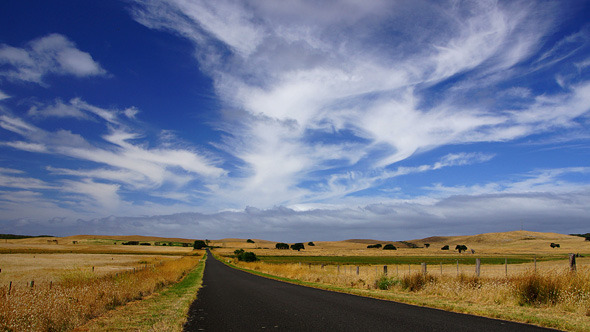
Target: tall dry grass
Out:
[557,288]
[80,296]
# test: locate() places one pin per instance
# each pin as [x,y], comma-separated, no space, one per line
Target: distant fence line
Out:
[476,268]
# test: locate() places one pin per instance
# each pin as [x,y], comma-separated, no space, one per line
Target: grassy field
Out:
[164,311]
[79,278]
[399,260]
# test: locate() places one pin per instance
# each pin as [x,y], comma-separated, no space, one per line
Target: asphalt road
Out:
[233,300]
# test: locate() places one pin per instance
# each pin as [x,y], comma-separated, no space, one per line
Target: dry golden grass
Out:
[493,244]
[44,268]
[81,295]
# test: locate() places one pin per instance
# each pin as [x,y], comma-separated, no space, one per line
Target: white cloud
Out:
[3,95]
[52,54]
[305,72]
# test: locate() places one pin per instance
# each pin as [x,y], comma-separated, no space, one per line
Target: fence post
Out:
[338,268]
[409,269]
[32,283]
[9,287]
[397,270]
[535,259]
[357,271]
[477,266]
[385,269]
[457,267]
[572,262]
[50,284]
[424,268]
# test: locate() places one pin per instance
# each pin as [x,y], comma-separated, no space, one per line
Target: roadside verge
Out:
[164,311]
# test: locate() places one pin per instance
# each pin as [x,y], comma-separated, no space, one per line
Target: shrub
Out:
[311,244]
[297,246]
[385,283]
[426,245]
[130,243]
[199,244]
[249,241]
[389,247]
[378,245]
[534,289]
[238,252]
[145,244]
[247,256]
[554,245]
[282,246]
[445,247]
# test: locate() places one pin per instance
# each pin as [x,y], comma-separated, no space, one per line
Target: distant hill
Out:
[17,237]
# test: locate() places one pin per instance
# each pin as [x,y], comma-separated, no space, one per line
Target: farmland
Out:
[74,267]
[60,283]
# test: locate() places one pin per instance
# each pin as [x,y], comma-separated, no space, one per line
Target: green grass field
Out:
[397,260]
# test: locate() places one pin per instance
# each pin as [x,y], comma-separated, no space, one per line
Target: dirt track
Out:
[233,300]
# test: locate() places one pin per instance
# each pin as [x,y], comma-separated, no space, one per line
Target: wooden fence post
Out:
[357,271]
[385,269]
[9,287]
[572,262]
[477,266]
[423,268]
[409,269]
[535,259]
[457,267]
[338,268]
[32,283]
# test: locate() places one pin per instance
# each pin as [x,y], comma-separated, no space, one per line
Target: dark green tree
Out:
[427,245]
[445,247]
[461,247]
[297,246]
[249,241]
[247,257]
[389,247]
[311,244]
[199,244]
[281,245]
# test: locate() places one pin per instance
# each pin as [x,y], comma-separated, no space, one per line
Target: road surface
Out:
[233,300]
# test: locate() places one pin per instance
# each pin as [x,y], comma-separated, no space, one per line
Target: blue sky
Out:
[291,121]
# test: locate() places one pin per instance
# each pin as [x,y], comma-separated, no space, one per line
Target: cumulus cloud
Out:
[52,54]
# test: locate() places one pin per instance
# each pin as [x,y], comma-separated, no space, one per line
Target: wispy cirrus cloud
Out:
[122,159]
[324,90]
